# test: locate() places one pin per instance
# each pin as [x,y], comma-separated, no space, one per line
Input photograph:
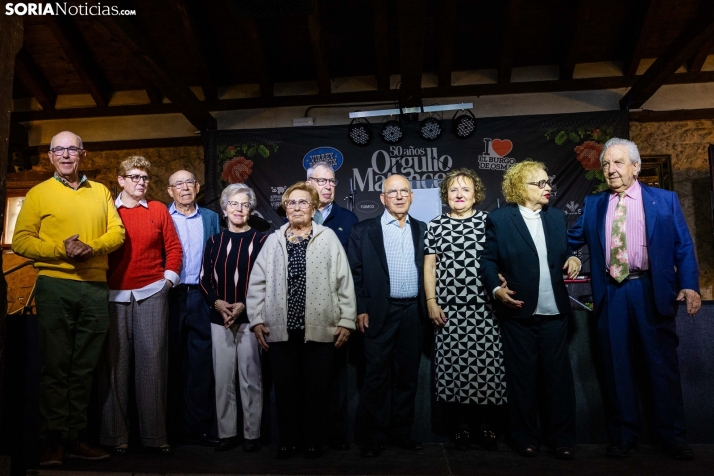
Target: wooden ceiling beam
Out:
[260,57]
[319,52]
[355,98]
[411,50]
[447,28]
[135,45]
[66,32]
[645,13]
[381,44]
[34,80]
[190,17]
[699,31]
[694,65]
[583,13]
[508,41]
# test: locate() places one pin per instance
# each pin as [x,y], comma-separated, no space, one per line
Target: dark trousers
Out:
[301,375]
[337,424]
[392,368]
[628,314]
[73,318]
[192,402]
[535,353]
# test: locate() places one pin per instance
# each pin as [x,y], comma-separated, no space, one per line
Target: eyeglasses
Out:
[72,150]
[323,181]
[393,193]
[542,183]
[243,205]
[297,204]
[136,178]
[188,183]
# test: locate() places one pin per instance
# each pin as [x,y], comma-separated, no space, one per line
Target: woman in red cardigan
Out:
[140,275]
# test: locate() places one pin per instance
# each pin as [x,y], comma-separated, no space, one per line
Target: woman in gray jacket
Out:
[301,306]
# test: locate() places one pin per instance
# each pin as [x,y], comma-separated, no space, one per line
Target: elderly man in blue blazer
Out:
[192,408]
[643,264]
[386,255]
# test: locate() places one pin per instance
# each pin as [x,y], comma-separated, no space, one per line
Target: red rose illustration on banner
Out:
[589,154]
[237,170]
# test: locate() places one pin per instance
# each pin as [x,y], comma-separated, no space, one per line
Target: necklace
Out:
[293,237]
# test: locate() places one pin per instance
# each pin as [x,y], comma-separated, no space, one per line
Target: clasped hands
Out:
[229,312]
[77,250]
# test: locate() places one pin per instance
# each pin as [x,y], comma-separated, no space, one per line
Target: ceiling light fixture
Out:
[464,125]
[360,132]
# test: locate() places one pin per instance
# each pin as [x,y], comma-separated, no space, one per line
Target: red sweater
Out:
[150,236]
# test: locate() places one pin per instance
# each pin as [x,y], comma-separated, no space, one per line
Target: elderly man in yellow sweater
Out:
[69,225]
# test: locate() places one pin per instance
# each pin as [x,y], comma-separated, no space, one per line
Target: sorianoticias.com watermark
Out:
[64,9]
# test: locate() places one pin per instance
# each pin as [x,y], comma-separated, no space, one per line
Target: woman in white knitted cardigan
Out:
[301,306]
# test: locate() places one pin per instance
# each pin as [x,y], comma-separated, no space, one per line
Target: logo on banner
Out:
[422,166]
[276,196]
[494,155]
[367,206]
[572,208]
[323,155]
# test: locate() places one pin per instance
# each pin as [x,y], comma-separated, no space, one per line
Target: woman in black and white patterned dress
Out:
[470,377]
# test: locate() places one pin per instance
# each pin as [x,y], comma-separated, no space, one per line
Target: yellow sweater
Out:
[52,212]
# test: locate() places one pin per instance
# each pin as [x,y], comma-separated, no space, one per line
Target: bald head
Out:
[67,162]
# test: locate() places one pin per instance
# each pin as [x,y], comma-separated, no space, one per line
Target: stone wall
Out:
[687,142]
[101,166]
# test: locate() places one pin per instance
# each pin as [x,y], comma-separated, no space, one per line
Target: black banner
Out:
[271,160]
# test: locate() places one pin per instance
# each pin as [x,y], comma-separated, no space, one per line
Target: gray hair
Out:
[79,139]
[193,176]
[319,165]
[234,188]
[632,151]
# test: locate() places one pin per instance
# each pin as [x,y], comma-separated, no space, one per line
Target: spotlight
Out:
[392,132]
[464,125]
[430,129]
[360,132]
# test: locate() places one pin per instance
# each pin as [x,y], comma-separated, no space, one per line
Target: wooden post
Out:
[11,33]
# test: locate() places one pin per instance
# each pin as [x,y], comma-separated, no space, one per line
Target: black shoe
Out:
[621,450]
[225,444]
[286,452]
[407,443]
[528,451]
[313,452]
[679,451]
[486,439]
[251,446]
[200,440]
[339,445]
[372,449]
[462,440]
[119,450]
[164,450]
[564,452]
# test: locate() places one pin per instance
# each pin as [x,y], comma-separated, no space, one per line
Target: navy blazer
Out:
[211,223]
[370,271]
[510,251]
[673,265]
[340,220]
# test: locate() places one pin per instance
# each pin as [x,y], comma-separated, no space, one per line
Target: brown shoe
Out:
[81,450]
[52,455]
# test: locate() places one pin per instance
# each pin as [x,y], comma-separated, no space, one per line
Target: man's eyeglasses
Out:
[72,150]
[136,178]
[323,181]
[188,183]
[401,191]
[542,183]
[243,205]
[292,204]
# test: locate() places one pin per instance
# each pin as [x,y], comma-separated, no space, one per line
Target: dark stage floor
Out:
[435,459]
